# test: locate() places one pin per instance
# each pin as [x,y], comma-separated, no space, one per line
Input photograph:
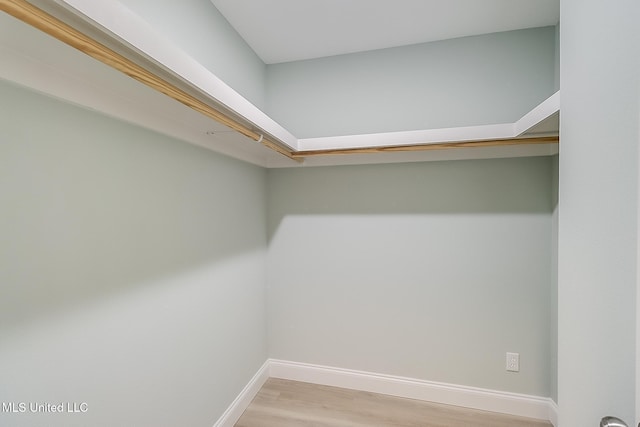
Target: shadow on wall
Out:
[93,206]
[430,271]
[518,185]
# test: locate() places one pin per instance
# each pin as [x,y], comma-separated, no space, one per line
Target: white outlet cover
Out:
[513,362]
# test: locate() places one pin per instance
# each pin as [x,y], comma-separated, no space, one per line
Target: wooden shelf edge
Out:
[432,146]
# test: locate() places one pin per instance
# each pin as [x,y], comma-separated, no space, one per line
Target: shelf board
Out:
[69,75]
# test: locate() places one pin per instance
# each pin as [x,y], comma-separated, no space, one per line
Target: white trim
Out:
[450,394]
[392,139]
[542,111]
[523,405]
[553,413]
[238,406]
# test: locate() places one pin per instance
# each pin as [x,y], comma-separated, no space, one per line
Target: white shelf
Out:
[70,75]
[521,128]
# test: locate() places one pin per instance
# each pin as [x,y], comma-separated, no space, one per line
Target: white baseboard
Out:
[553,413]
[468,397]
[237,407]
[541,408]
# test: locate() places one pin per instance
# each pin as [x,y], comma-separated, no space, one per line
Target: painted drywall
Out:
[131,270]
[488,79]
[598,214]
[426,270]
[199,29]
[556,67]
[553,382]
[637,396]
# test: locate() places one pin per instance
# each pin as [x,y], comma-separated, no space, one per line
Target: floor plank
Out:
[284,403]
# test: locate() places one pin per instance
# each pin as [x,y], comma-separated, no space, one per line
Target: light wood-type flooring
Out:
[284,403]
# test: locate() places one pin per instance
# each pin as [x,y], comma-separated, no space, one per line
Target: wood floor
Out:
[284,403]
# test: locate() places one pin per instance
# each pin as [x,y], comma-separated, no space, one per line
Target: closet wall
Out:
[598,212]
[487,79]
[424,270]
[131,271]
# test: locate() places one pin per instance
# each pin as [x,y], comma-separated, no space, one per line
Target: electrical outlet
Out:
[513,362]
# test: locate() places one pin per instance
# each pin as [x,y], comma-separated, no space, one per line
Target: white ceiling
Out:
[291,30]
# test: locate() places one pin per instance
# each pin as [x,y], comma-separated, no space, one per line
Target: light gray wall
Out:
[555,162]
[132,270]
[431,270]
[199,29]
[598,214]
[556,68]
[488,79]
